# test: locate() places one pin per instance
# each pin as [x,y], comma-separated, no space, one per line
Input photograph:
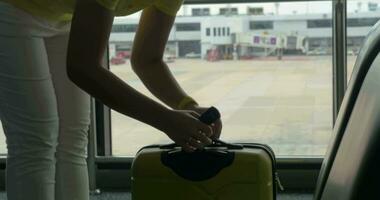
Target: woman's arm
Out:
[148,49]
[88,40]
[147,53]
[89,35]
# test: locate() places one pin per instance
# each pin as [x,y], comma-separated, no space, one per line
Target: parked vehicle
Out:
[352,52]
[169,58]
[193,55]
[123,54]
[213,55]
[318,51]
[117,60]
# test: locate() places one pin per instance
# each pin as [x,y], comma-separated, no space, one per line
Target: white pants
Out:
[45,116]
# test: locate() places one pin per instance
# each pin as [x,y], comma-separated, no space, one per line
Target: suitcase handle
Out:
[221,143]
[215,143]
[197,166]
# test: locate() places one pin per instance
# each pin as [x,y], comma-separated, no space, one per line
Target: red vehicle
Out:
[123,54]
[117,60]
[213,55]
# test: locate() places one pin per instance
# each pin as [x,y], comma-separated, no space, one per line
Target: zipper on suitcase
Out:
[276,178]
[279,182]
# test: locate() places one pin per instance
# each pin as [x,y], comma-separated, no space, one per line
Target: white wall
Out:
[233,23]
[186,35]
[240,24]
[290,27]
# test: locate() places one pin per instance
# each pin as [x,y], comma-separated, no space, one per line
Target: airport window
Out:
[373,7]
[188,27]
[319,23]
[3,147]
[255,11]
[281,98]
[258,25]
[321,46]
[124,28]
[196,12]
[360,22]
[206,11]
[200,11]
[228,11]
[355,37]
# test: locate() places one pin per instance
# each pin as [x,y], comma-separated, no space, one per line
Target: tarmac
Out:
[286,103]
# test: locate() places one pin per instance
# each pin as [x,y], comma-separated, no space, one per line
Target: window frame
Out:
[228,11]
[261,25]
[361,22]
[187,27]
[201,12]
[319,23]
[208,31]
[124,28]
[107,171]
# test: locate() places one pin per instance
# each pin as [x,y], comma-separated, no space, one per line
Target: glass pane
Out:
[3,146]
[361,16]
[270,75]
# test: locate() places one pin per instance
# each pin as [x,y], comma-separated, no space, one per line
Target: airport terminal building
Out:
[234,35]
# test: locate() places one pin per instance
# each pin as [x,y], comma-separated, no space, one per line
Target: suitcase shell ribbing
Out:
[249,175]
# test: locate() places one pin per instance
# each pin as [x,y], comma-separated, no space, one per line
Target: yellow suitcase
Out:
[221,171]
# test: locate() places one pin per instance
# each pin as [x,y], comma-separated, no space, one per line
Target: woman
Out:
[45,116]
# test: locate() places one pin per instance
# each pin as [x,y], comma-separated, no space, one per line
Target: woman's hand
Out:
[216,126]
[187,131]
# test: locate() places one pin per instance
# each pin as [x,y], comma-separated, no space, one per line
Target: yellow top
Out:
[61,10]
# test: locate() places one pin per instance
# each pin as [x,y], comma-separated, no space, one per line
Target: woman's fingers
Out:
[195,134]
[195,143]
[188,148]
[217,129]
[207,130]
[201,137]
